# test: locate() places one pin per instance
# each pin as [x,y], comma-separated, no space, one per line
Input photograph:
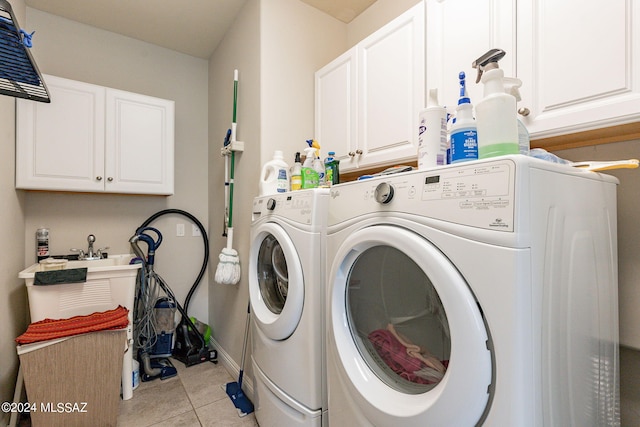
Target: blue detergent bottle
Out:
[464,132]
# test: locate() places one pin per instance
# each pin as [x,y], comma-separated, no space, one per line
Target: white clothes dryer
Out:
[286,290]
[476,294]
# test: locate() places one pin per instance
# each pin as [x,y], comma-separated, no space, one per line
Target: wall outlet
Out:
[180,230]
[195,230]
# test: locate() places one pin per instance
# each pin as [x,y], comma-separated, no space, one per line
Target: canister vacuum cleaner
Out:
[154,315]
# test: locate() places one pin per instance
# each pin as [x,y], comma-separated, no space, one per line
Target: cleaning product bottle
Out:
[318,166]
[274,177]
[42,244]
[463,132]
[496,113]
[296,174]
[331,165]
[432,133]
[524,140]
[308,173]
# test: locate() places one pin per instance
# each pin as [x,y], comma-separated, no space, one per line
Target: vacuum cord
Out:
[205,240]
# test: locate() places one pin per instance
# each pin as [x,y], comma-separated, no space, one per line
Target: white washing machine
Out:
[476,294]
[286,289]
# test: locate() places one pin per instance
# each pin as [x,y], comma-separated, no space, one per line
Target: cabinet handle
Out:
[110,179]
[352,154]
[358,151]
[524,111]
[98,178]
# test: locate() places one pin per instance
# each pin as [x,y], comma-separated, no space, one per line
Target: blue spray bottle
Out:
[463,132]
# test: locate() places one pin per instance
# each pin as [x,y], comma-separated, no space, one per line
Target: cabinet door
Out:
[60,146]
[459,32]
[391,90]
[335,118]
[139,148]
[579,61]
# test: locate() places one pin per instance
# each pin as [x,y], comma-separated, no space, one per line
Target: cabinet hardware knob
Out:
[99,178]
[110,179]
[358,151]
[352,154]
[524,111]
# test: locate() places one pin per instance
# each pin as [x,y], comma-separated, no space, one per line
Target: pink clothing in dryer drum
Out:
[406,359]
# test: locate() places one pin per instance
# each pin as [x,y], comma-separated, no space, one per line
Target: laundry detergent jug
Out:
[274,177]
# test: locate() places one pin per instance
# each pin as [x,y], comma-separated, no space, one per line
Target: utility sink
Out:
[110,282]
[112,263]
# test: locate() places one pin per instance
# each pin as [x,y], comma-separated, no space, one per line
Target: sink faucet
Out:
[90,255]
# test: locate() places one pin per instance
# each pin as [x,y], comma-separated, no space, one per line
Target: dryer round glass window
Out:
[273,276]
[397,320]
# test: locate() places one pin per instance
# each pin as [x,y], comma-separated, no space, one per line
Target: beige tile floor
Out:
[193,398]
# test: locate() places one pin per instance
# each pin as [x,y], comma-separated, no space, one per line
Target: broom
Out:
[228,270]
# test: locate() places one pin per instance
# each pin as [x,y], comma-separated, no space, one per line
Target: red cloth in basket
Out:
[49,329]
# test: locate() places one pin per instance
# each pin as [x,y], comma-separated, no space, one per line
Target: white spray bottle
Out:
[432,133]
[496,114]
[309,174]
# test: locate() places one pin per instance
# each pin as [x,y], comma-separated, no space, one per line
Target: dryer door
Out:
[413,346]
[276,286]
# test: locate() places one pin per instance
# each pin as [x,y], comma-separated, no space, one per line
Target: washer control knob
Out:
[271,204]
[384,193]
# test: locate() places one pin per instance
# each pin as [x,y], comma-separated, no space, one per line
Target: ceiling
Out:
[196,26]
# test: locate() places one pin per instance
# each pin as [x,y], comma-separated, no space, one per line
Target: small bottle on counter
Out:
[42,244]
[332,173]
[296,173]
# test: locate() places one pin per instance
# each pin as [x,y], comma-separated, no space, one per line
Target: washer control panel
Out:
[301,207]
[478,195]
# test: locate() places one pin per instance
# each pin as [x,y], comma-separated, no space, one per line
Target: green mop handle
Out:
[233,154]
[235,103]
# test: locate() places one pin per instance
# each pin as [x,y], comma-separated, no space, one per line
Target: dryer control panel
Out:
[479,195]
[306,207]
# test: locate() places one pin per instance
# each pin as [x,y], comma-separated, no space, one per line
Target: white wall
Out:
[276,45]
[628,231]
[374,17]
[13,304]
[68,49]
[297,40]
[240,49]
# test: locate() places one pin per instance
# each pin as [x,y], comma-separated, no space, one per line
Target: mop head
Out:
[228,271]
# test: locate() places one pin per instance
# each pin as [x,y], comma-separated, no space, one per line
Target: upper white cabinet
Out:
[95,139]
[579,61]
[336,108]
[368,99]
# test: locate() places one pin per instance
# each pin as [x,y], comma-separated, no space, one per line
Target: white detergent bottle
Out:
[275,176]
[496,115]
[463,132]
[432,133]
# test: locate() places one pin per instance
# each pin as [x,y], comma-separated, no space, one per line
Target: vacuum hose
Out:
[204,239]
[146,364]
